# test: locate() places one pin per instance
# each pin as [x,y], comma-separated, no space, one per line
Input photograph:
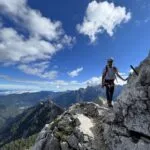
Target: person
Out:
[109,75]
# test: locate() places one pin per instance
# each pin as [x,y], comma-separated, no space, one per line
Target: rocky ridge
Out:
[30,121]
[88,126]
[74,129]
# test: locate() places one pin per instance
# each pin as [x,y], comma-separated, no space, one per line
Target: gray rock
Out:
[125,127]
[64,146]
[78,134]
[86,138]
[64,122]
[73,141]
[52,144]
[149,92]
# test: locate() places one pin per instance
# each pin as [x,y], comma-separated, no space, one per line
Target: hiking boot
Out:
[110,104]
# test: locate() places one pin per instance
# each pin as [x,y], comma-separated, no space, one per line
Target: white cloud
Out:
[15,48]
[31,19]
[55,85]
[93,81]
[45,38]
[50,74]
[38,69]
[19,87]
[131,71]
[75,73]
[102,16]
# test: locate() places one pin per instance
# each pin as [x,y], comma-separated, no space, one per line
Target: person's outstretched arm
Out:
[117,73]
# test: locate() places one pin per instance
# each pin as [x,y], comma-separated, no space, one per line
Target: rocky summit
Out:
[88,126]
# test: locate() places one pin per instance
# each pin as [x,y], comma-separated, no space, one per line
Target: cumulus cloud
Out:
[75,72]
[38,69]
[93,81]
[31,19]
[45,38]
[16,48]
[102,16]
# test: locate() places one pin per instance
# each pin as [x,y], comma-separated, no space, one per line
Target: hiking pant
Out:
[109,90]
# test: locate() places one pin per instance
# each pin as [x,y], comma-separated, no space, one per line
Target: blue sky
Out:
[56,45]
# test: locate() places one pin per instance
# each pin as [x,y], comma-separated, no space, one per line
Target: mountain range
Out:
[14,104]
[30,122]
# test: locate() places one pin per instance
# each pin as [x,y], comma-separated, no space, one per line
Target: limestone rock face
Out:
[88,126]
[130,127]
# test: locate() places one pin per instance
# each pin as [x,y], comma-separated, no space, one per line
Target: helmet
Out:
[110,59]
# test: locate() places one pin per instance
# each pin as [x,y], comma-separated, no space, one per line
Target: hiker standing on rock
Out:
[109,75]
